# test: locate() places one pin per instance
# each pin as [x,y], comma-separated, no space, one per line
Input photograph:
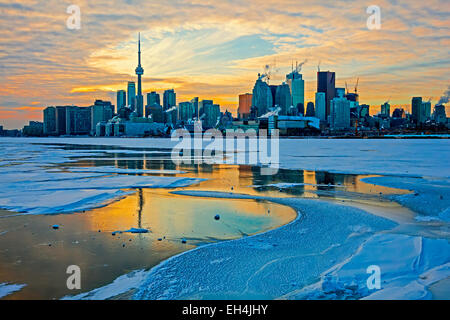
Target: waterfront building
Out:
[49,127]
[100,111]
[78,120]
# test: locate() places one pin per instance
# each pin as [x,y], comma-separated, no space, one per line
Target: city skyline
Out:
[218,54]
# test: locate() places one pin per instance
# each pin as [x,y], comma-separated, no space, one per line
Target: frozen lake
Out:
[93,187]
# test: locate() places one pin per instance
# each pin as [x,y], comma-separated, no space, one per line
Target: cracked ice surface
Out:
[32,184]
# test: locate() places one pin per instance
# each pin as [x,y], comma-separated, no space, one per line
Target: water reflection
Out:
[34,254]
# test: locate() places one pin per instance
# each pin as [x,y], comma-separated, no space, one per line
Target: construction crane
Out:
[356,86]
[346,87]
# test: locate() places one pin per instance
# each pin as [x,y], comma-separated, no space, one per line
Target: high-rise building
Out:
[339,92]
[61,120]
[245,104]
[78,120]
[310,109]
[262,98]
[439,114]
[121,99]
[156,111]
[340,113]
[283,98]
[386,109]
[139,72]
[185,111]
[50,121]
[131,94]
[320,111]
[201,107]
[170,115]
[212,114]
[101,111]
[152,98]
[297,88]
[326,83]
[169,99]
[194,102]
[416,105]
[425,112]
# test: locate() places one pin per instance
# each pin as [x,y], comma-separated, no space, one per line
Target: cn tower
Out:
[139,71]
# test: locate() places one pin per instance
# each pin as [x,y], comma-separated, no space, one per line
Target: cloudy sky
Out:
[215,49]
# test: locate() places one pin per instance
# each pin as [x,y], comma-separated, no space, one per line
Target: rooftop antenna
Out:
[318,67]
[346,88]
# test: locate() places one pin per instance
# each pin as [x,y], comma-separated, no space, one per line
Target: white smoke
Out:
[446,97]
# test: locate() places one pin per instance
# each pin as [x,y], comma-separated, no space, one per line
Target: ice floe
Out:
[7,289]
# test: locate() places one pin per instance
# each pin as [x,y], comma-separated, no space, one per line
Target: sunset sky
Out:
[215,49]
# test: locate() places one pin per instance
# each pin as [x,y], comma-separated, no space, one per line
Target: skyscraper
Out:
[439,113]
[262,96]
[121,99]
[194,103]
[283,98]
[78,120]
[50,121]
[425,111]
[152,98]
[139,71]
[155,110]
[212,113]
[326,84]
[169,99]
[416,105]
[185,111]
[131,94]
[61,120]
[245,103]
[321,111]
[101,111]
[201,107]
[340,113]
[297,87]
[386,109]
